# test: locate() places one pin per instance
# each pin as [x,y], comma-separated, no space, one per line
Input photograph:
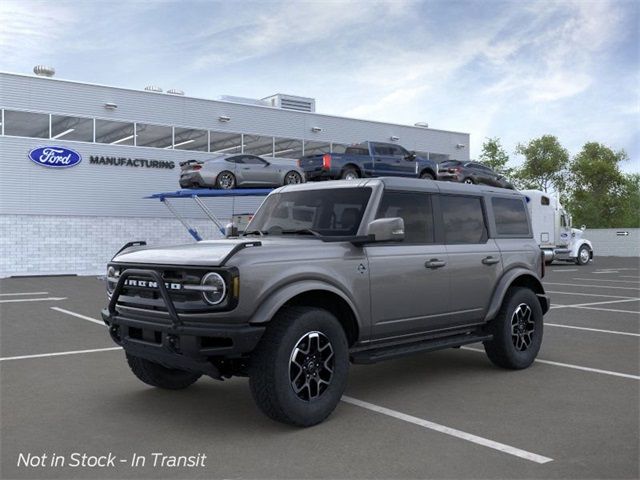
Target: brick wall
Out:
[49,245]
[607,242]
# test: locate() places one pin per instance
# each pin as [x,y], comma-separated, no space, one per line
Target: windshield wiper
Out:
[303,231]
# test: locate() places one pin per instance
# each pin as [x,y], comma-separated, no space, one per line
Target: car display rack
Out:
[196,195]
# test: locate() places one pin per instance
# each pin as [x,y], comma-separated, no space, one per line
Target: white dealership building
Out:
[127,144]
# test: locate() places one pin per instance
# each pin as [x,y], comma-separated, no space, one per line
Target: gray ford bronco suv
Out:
[327,274]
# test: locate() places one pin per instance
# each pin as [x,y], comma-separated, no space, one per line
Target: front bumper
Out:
[176,344]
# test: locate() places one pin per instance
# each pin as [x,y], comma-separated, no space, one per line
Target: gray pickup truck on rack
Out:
[332,273]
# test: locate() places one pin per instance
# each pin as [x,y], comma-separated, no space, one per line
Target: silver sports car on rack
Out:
[241,170]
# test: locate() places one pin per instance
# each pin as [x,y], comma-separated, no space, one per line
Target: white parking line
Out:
[74,314]
[633,312]
[606,280]
[569,270]
[485,442]
[568,365]
[23,293]
[594,303]
[57,354]
[592,286]
[629,276]
[546,324]
[50,299]
[605,272]
[588,294]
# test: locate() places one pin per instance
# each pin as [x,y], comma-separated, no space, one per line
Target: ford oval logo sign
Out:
[55,157]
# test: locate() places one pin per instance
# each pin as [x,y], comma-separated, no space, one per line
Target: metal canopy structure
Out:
[197,195]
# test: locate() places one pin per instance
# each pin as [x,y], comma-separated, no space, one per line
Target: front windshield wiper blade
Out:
[303,231]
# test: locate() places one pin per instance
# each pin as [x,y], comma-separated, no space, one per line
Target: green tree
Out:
[600,194]
[545,164]
[494,156]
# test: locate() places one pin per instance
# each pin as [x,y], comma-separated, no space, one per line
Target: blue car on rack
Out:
[368,159]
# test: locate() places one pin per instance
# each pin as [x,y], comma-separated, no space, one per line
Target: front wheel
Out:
[298,371]
[584,255]
[517,330]
[427,176]
[159,376]
[468,181]
[226,180]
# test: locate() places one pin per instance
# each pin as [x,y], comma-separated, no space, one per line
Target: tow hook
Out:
[173,343]
[114,331]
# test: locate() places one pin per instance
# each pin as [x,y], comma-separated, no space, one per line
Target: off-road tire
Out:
[269,370]
[427,176]
[501,350]
[159,376]
[349,173]
[579,259]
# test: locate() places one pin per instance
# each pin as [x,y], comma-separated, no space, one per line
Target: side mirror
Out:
[386,230]
[230,230]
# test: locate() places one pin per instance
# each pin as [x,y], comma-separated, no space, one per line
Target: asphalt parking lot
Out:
[450,414]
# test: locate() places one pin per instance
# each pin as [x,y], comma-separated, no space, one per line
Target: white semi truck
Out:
[553,231]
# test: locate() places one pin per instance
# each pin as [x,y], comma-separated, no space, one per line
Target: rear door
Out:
[409,279]
[383,159]
[475,264]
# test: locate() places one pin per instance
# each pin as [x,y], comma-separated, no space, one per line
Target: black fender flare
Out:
[517,277]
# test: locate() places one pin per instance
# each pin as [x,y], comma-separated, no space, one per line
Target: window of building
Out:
[225,143]
[258,145]
[191,139]
[287,148]
[316,148]
[72,128]
[115,133]
[463,219]
[415,209]
[511,216]
[26,124]
[157,136]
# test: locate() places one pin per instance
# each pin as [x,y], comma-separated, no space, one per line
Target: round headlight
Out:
[112,279]
[215,287]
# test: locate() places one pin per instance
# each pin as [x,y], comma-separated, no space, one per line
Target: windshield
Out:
[324,212]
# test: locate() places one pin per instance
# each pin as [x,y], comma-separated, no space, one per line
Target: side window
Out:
[415,209]
[463,219]
[251,160]
[397,151]
[235,160]
[382,150]
[511,216]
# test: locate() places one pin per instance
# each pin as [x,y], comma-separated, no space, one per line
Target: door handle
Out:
[246,168]
[434,263]
[490,260]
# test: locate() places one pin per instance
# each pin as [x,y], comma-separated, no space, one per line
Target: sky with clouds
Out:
[508,69]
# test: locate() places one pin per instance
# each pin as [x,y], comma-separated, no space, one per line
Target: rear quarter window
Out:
[511,217]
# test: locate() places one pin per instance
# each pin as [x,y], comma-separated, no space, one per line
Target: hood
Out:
[211,253]
[577,233]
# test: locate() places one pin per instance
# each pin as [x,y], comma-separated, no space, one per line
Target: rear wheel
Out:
[159,376]
[427,176]
[517,330]
[225,180]
[349,173]
[584,255]
[468,181]
[292,178]
[299,369]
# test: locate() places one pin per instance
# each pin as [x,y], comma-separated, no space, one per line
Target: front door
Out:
[409,279]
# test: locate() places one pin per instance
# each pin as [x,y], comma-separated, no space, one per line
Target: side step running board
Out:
[387,353]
